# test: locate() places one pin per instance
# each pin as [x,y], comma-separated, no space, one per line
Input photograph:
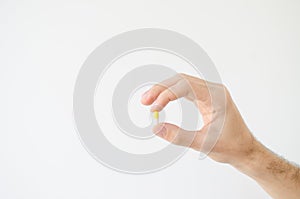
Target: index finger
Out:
[151,95]
[180,89]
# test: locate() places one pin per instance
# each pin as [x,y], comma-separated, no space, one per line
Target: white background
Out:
[255,46]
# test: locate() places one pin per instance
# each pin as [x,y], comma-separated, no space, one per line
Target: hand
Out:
[235,141]
[235,145]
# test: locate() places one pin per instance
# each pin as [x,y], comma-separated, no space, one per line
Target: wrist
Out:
[252,160]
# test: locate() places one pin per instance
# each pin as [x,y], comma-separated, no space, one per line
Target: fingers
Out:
[169,90]
[181,85]
[180,89]
[178,136]
[150,96]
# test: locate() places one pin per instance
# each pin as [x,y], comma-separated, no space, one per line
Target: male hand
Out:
[218,112]
[234,144]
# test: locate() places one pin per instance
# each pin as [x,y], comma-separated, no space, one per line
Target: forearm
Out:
[277,176]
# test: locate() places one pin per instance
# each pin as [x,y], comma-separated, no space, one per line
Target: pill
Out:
[156,116]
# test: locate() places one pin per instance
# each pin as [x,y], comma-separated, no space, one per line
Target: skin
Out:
[235,146]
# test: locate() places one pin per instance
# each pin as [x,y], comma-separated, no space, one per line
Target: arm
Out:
[235,145]
[278,177]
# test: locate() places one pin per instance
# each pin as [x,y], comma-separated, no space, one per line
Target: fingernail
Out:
[160,130]
[155,107]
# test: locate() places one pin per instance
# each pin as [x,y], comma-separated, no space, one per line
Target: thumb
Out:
[174,134]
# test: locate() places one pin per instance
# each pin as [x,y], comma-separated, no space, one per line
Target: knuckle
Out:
[226,91]
[183,75]
[157,88]
[169,95]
